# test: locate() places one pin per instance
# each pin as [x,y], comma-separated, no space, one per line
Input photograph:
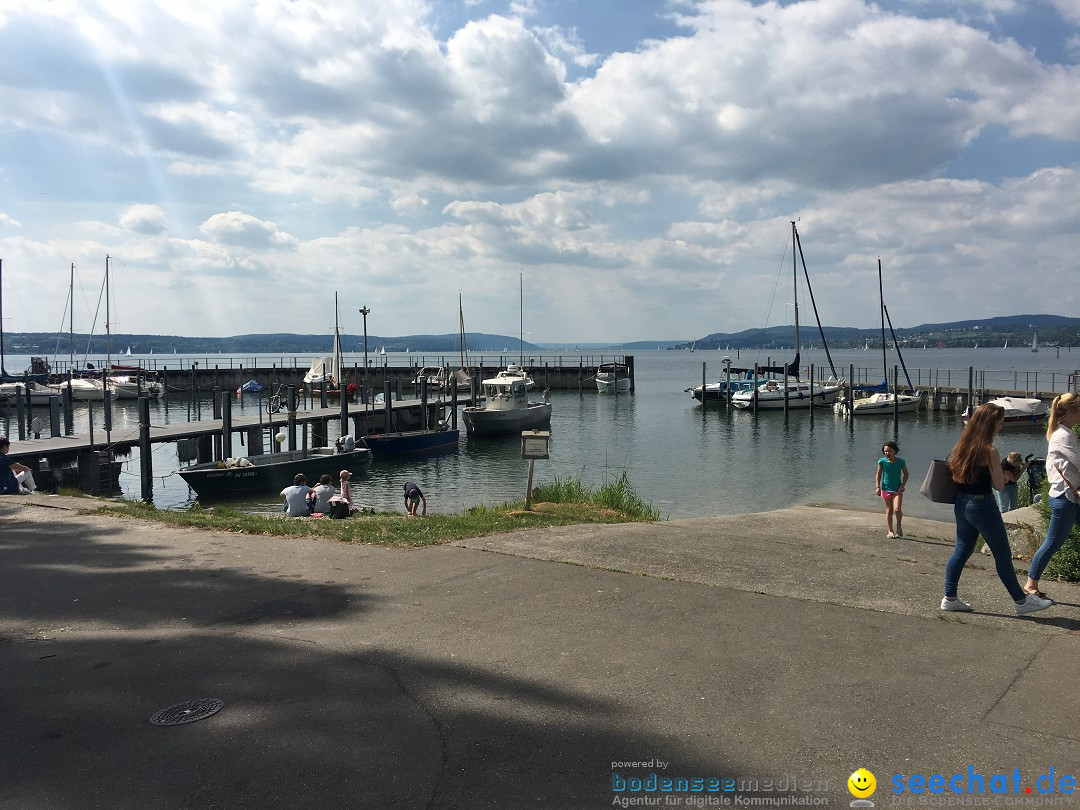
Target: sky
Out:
[581,170]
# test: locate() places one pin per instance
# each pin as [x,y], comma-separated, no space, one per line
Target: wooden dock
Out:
[93,454]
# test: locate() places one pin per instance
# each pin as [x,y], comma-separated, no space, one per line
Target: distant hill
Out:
[1017,329]
[48,343]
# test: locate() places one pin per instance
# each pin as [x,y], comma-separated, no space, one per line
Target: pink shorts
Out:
[886,495]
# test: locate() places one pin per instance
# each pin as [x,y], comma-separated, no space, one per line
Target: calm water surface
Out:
[686,460]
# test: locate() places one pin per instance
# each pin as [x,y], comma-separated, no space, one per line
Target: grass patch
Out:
[613,503]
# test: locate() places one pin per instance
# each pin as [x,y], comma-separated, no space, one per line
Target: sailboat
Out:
[1035,342]
[327,370]
[792,392]
[1006,344]
[506,408]
[880,399]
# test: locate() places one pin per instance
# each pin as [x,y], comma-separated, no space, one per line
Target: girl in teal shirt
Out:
[892,475]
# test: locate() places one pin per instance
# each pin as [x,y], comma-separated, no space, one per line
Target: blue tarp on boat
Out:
[251,386]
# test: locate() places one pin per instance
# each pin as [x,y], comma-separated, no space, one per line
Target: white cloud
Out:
[243,230]
[142,218]
[7,221]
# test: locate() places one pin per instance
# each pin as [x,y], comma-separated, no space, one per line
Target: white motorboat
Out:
[39,394]
[799,393]
[506,409]
[83,389]
[1020,411]
[612,378]
[124,386]
[882,403]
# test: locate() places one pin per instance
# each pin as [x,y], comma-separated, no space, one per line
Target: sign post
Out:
[534,445]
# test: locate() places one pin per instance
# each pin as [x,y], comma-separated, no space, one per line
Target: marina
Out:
[688,459]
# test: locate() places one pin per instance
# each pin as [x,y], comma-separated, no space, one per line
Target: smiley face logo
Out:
[861,784]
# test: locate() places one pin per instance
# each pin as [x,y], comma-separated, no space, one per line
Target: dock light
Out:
[279,437]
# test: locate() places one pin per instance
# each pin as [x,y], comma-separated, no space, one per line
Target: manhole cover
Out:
[187,712]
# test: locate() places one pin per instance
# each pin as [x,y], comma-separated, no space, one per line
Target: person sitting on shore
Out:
[1013,466]
[341,505]
[15,478]
[297,503]
[324,491]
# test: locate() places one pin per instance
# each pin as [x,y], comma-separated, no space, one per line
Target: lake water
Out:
[686,460]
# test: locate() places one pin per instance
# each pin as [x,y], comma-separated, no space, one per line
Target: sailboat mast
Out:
[461,331]
[71,319]
[108,324]
[521,319]
[881,305]
[795,284]
[335,364]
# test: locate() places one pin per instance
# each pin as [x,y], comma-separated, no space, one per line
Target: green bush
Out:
[616,495]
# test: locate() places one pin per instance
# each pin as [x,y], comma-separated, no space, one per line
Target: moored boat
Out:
[798,393]
[612,378]
[412,442]
[270,471]
[878,399]
[39,394]
[1020,411]
[506,409]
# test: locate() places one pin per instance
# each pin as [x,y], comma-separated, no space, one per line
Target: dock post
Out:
[146,453]
[755,396]
[387,408]
[423,403]
[453,402]
[811,392]
[226,425]
[69,414]
[291,430]
[787,393]
[703,397]
[107,405]
[20,417]
[54,416]
[630,368]
[971,390]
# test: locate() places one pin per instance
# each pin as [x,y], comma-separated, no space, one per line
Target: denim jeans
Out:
[1063,514]
[1007,498]
[975,515]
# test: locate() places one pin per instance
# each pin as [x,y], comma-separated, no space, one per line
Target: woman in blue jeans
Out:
[976,469]
[1063,472]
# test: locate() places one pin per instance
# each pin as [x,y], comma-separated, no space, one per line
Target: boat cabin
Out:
[505,393]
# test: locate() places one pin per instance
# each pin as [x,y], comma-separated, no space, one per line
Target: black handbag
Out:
[938,485]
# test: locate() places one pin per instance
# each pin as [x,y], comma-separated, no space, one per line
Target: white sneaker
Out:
[1032,604]
[890,536]
[957,604]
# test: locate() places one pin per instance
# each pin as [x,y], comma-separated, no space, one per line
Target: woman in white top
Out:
[1063,472]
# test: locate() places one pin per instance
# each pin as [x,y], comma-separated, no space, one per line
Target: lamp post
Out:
[364,311]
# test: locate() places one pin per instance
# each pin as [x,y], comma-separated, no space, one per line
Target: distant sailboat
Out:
[1006,344]
[1035,342]
[128,352]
